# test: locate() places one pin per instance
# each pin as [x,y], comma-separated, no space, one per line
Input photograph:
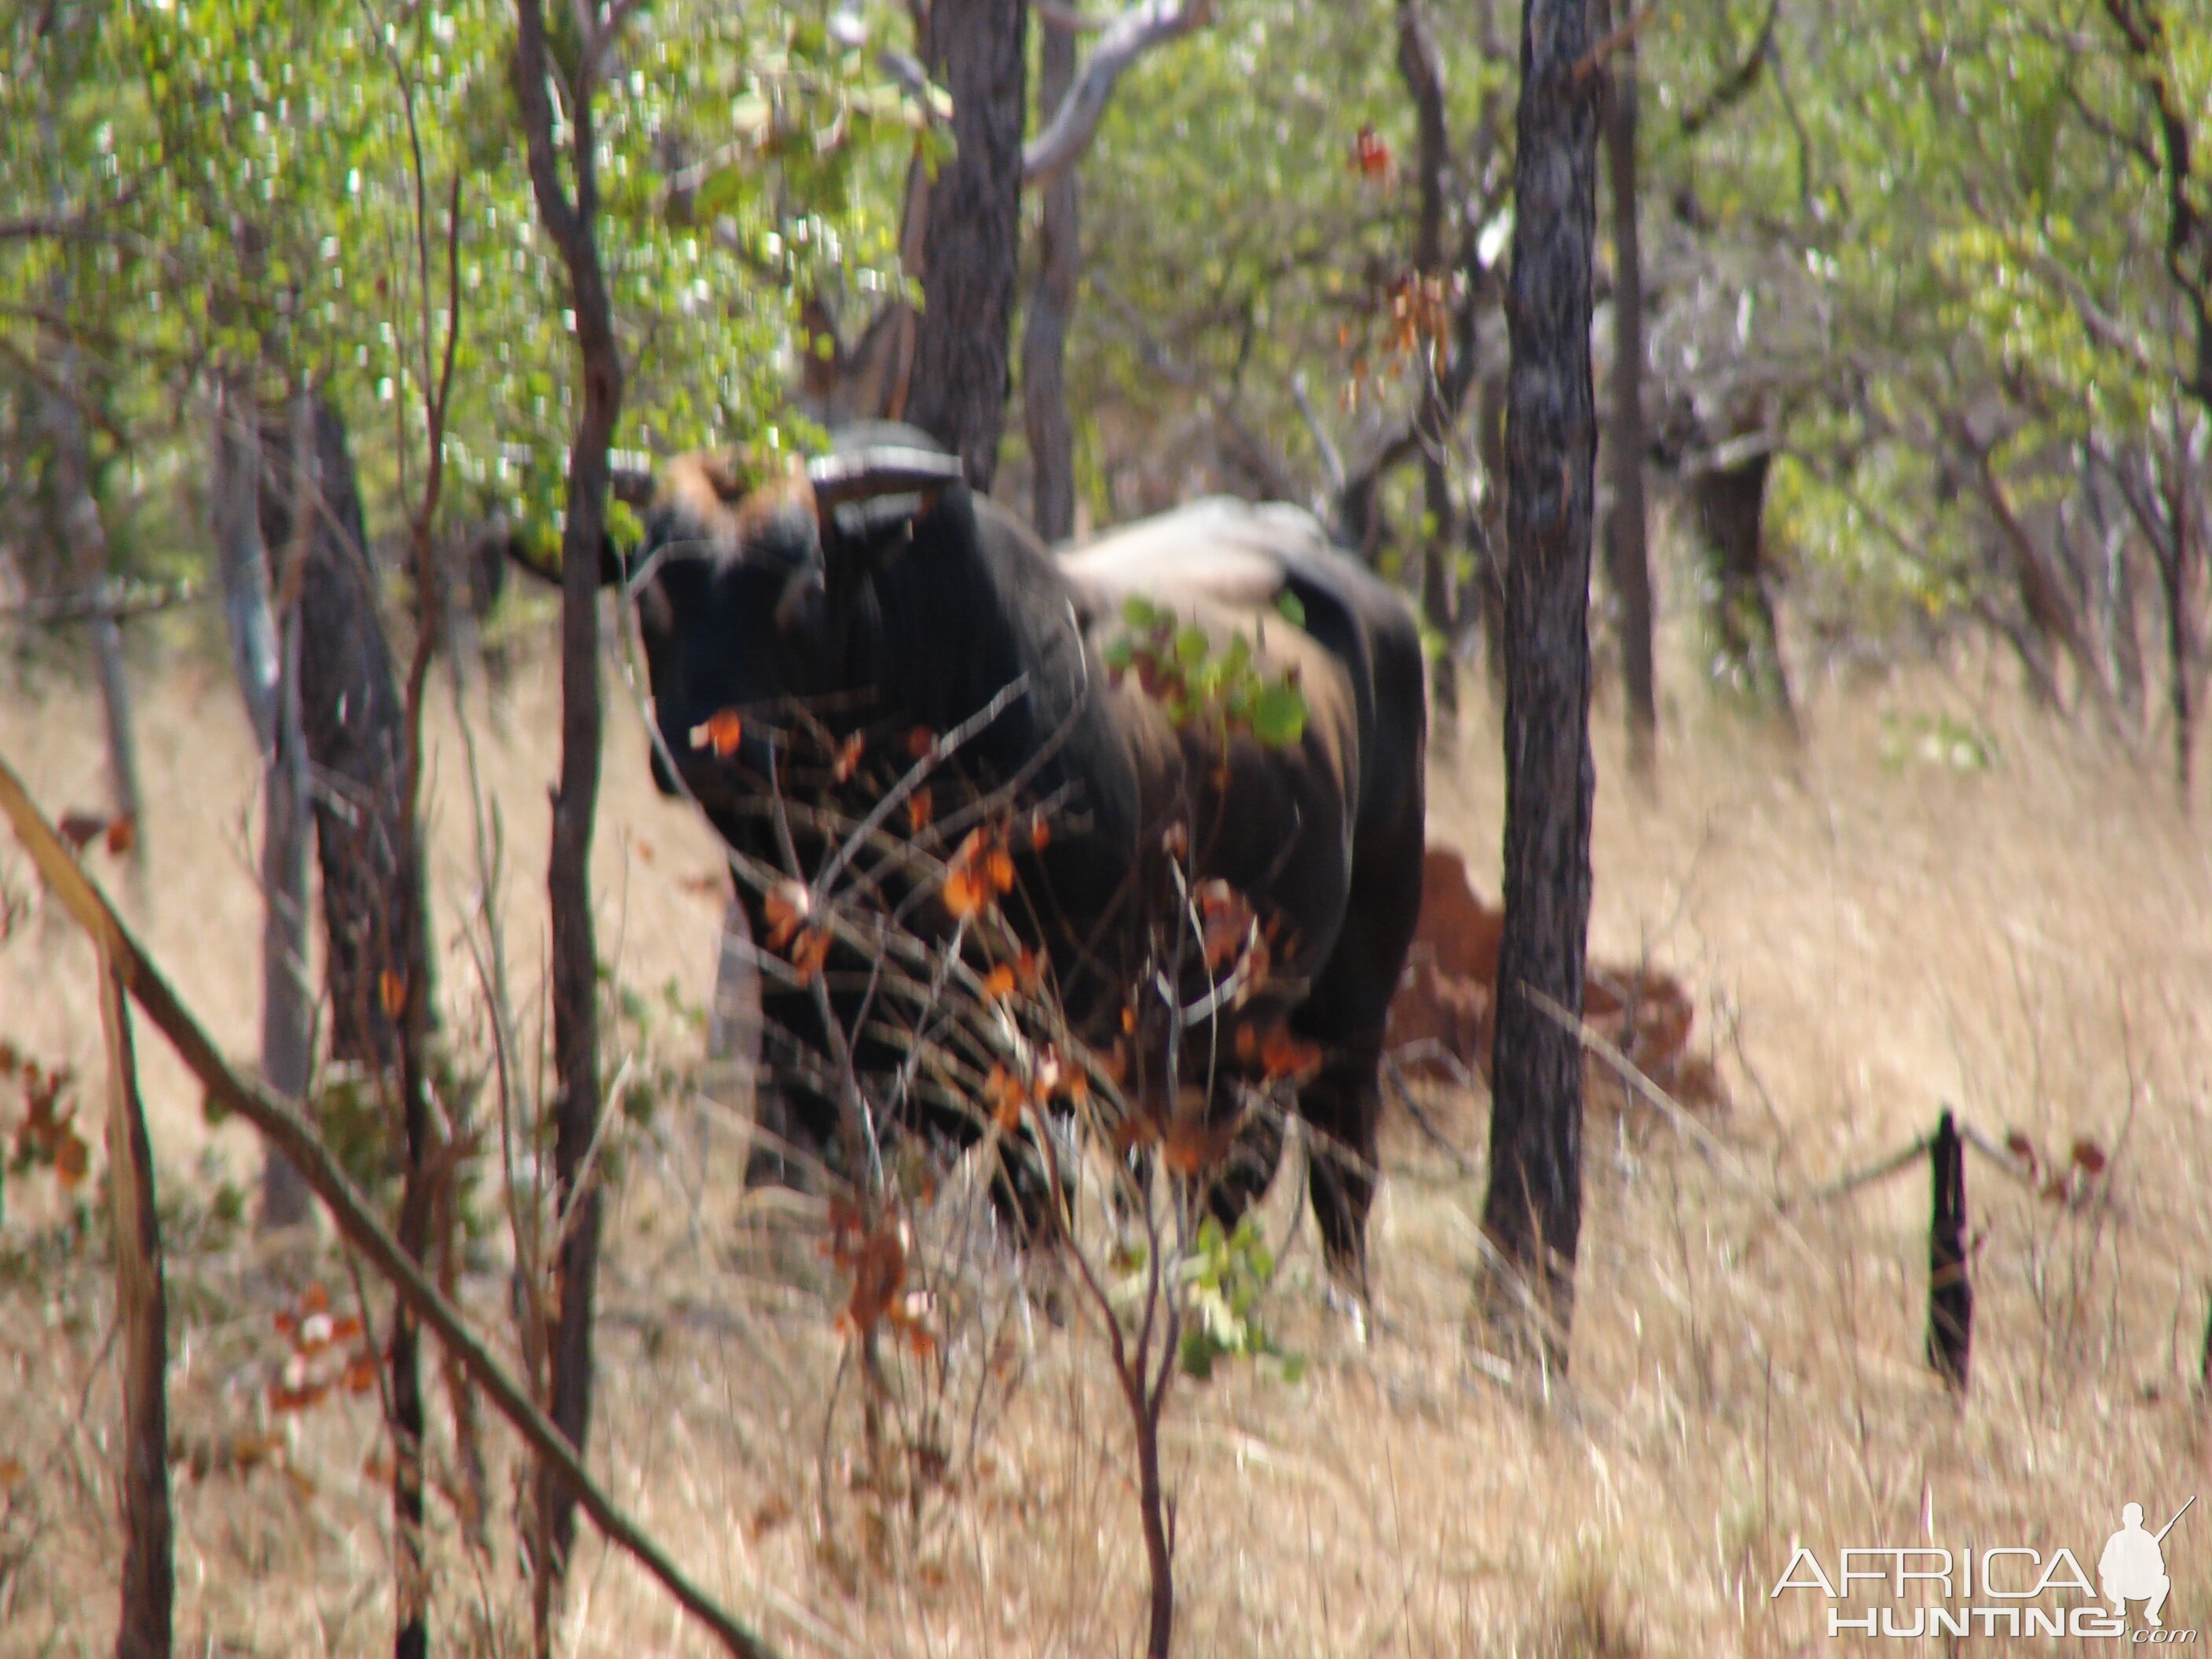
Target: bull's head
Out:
[742,582]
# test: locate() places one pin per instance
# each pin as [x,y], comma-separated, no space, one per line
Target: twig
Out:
[282,1125]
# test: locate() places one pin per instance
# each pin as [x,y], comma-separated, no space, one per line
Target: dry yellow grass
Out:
[2031,944]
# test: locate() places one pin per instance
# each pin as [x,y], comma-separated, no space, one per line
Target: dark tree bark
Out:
[971,230]
[573,224]
[1051,306]
[1627,556]
[1730,502]
[1533,1210]
[1422,69]
[353,720]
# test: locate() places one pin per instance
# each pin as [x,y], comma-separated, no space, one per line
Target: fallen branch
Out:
[283,1126]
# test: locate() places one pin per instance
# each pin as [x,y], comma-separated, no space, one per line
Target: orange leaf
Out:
[1028,972]
[720,732]
[1189,1147]
[788,903]
[878,1271]
[1283,1056]
[1005,1095]
[809,951]
[964,894]
[315,1299]
[72,1158]
[920,742]
[345,1329]
[920,808]
[998,983]
[1039,831]
[122,836]
[361,1374]
[1225,918]
[1370,155]
[999,868]
[391,991]
[848,757]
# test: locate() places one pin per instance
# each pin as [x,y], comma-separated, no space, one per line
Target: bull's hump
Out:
[1220,550]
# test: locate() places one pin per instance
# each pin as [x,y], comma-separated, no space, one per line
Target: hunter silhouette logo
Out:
[1999,1589]
[2133,1566]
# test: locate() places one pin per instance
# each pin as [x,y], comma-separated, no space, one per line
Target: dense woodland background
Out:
[319,321]
[1925,301]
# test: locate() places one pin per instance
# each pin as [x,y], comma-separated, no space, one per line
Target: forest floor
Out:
[1940,898]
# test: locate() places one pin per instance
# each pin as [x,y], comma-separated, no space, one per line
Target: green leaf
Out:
[1279,715]
[1292,608]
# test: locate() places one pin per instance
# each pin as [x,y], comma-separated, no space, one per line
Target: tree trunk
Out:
[1422,69]
[87,536]
[1533,1210]
[373,910]
[573,225]
[1051,306]
[1627,556]
[971,236]
[1730,503]
[267,658]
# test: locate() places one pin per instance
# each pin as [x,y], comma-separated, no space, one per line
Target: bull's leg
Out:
[1345,1013]
[1244,1175]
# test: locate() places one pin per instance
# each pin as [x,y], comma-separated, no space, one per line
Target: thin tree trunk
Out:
[2176,563]
[1421,67]
[267,658]
[142,1319]
[573,225]
[1051,307]
[1628,557]
[86,535]
[972,230]
[1533,1210]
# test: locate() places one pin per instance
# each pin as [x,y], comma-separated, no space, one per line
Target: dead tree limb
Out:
[142,1311]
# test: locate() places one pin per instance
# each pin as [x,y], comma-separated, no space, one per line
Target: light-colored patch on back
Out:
[1219,549]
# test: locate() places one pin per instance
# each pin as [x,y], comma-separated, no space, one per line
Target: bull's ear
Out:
[862,475]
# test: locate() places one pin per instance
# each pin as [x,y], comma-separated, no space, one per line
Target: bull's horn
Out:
[879,470]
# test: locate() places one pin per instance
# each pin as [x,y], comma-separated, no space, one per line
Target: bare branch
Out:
[1128,38]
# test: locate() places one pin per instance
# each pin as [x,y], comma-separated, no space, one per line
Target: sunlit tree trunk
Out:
[1051,306]
[1628,559]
